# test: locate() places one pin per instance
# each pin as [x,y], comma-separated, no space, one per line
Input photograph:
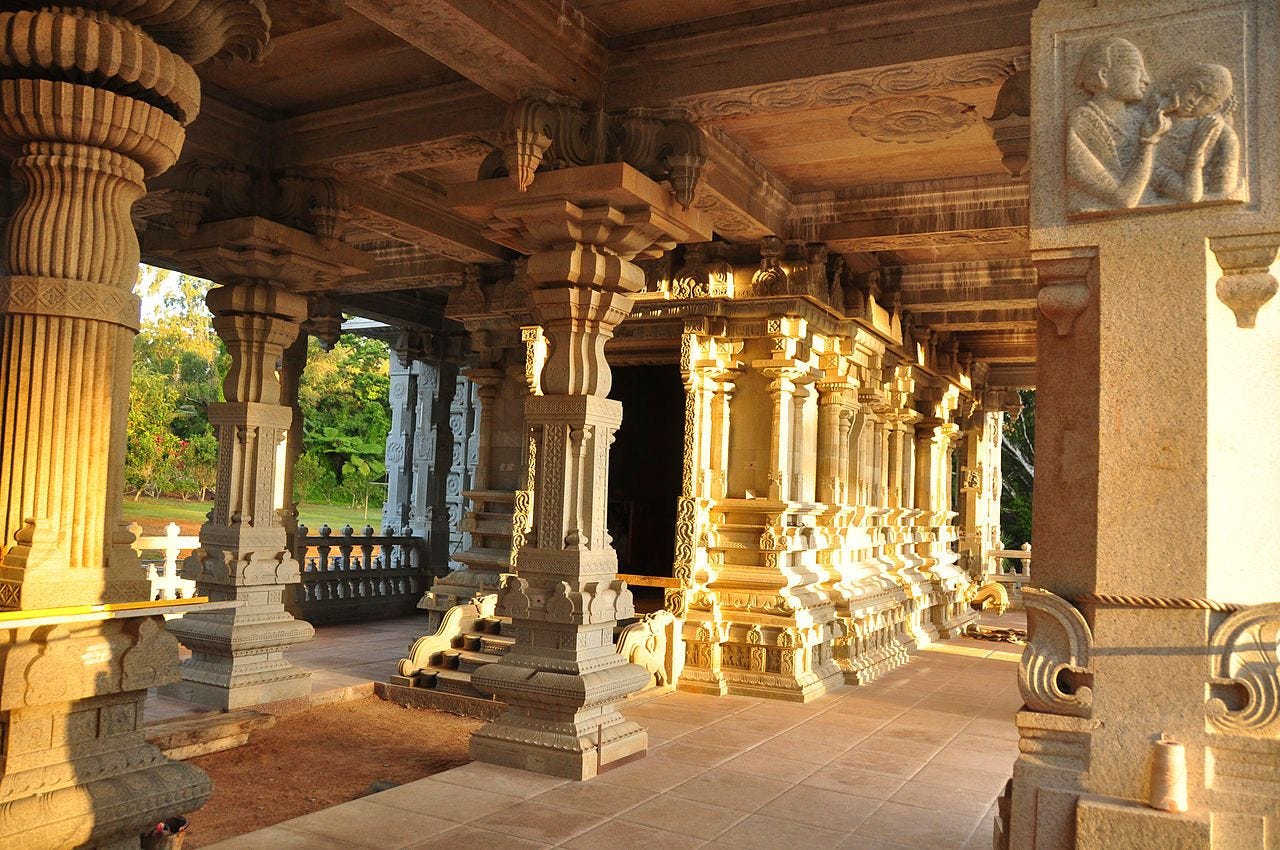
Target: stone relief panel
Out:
[1157,118]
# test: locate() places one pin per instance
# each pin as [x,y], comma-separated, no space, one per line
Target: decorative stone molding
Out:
[423,155]
[1063,277]
[949,74]
[1055,674]
[546,130]
[1244,673]
[1247,282]
[918,119]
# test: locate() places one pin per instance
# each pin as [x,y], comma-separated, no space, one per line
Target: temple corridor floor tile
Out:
[280,837]
[667,730]
[472,838]
[987,781]
[821,807]
[703,755]
[917,827]
[725,735]
[944,798]
[621,834]
[757,763]
[759,832]
[541,822]
[862,783]
[499,780]
[655,773]
[594,797]
[902,746]
[684,816]
[365,823]
[889,764]
[731,790]
[456,803]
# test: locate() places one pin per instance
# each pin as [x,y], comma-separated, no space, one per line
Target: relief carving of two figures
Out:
[1129,147]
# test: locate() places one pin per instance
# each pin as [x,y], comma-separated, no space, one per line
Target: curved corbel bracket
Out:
[1247,282]
[1064,284]
[1055,675]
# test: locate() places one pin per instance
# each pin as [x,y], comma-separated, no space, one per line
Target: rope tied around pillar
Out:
[1112,600]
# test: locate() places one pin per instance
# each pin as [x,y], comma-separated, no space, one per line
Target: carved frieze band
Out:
[44,296]
[1054,675]
[412,157]
[855,87]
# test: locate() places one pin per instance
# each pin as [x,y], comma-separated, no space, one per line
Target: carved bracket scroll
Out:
[1244,672]
[1054,675]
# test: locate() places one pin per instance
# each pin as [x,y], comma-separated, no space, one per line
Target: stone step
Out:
[496,644]
[485,559]
[455,682]
[469,662]
[208,732]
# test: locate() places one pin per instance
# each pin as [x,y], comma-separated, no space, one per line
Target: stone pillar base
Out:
[237,665]
[619,744]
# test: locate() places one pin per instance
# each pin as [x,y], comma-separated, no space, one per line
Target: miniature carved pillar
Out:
[487,383]
[1149,529]
[720,423]
[895,466]
[403,396]
[94,99]
[562,679]
[850,426]
[237,656]
[783,423]
[797,447]
[832,448]
[926,442]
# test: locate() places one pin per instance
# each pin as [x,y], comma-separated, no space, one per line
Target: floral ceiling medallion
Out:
[920,119]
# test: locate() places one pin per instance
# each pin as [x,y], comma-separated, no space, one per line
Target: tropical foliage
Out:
[1018,465]
[178,367]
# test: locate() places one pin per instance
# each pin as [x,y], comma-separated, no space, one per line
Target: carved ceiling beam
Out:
[827,57]
[1014,346]
[401,132]
[227,134]
[1019,318]
[1012,376]
[1006,297]
[504,47]
[399,266]
[398,209]
[746,201]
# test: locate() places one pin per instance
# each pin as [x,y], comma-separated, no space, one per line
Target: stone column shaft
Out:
[562,680]
[93,100]
[237,656]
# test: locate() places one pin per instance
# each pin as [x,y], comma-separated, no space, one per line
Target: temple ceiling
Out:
[861,125]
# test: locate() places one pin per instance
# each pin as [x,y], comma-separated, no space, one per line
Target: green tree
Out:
[1018,466]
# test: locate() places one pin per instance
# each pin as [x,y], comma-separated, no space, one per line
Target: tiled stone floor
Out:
[913,761]
[338,656]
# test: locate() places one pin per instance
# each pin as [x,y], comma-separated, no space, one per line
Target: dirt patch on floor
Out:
[322,757]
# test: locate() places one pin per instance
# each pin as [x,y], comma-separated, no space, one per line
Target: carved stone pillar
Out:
[1156,608]
[894,499]
[403,396]
[93,100]
[797,447]
[926,444]
[292,365]
[834,425]
[782,427]
[237,656]
[722,403]
[562,680]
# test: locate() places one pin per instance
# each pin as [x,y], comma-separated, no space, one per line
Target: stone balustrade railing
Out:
[346,575]
[1013,580]
[164,572]
[358,576]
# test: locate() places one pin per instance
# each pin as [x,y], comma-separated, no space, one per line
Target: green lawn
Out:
[154,514]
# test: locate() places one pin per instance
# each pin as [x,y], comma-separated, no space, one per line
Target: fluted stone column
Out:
[562,680]
[1156,604]
[237,656]
[92,102]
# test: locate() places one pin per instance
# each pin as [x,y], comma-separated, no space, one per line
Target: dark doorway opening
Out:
[645,468]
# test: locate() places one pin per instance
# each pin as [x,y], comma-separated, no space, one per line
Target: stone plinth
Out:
[562,680]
